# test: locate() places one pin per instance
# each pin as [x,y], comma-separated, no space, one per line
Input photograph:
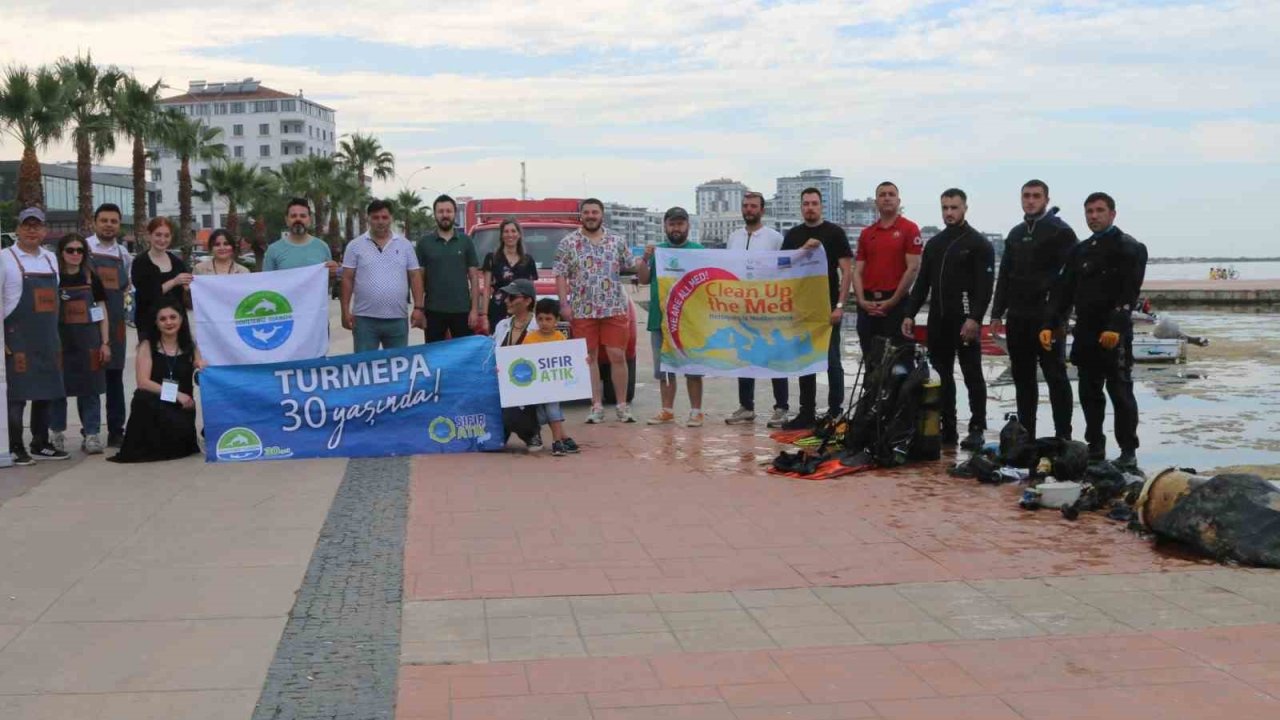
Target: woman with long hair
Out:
[222,257]
[158,273]
[84,330]
[162,418]
[507,262]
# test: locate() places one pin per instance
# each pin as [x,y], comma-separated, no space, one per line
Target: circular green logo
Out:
[239,443]
[522,372]
[264,320]
[442,430]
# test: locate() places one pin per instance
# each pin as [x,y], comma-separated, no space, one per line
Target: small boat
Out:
[1146,348]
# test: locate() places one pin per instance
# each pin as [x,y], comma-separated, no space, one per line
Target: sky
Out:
[1172,107]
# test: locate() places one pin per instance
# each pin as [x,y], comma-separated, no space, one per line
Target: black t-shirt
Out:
[834,241]
[95,284]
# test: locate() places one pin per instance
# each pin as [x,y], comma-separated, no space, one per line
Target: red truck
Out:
[545,223]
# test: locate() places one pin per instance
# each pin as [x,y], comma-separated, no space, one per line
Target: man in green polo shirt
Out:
[676,225]
[299,248]
[451,272]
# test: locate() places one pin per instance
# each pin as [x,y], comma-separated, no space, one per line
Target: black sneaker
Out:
[570,446]
[1097,451]
[1127,462]
[973,441]
[950,441]
[21,458]
[557,449]
[49,452]
[115,440]
[802,421]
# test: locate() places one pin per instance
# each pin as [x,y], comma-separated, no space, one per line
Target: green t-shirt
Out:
[446,267]
[655,309]
[284,254]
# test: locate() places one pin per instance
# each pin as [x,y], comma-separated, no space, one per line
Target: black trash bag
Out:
[1017,448]
[1230,517]
[523,421]
[1103,483]
[979,467]
[1070,458]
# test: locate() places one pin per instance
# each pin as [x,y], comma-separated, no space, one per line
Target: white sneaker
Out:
[696,418]
[777,419]
[624,414]
[596,416]
[92,445]
[741,416]
[58,440]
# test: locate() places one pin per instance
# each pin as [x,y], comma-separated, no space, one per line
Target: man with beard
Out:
[813,234]
[957,270]
[112,263]
[1101,279]
[886,264]
[1033,256]
[676,226]
[299,248]
[589,264]
[754,236]
[451,274]
[379,271]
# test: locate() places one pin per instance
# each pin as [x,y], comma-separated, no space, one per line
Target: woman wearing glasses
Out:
[86,349]
[222,260]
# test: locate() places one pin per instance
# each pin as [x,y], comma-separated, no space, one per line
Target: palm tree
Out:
[267,201]
[33,109]
[311,177]
[137,113]
[407,204]
[90,90]
[236,182]
[348,198]
[364,152]
[190,139]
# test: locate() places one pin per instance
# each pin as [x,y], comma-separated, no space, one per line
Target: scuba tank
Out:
[928,442]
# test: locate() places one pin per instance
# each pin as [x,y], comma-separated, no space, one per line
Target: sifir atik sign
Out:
[543,373]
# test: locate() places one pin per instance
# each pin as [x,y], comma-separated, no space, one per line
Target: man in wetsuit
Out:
[957,270]
[1102,279]
[1033,256]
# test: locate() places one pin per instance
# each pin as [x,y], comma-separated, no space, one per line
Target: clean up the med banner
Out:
[262,317]
[735,314]
[437,398]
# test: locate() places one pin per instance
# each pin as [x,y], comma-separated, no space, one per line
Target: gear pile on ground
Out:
[1232,517]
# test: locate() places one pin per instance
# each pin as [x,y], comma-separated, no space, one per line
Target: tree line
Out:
[95,107]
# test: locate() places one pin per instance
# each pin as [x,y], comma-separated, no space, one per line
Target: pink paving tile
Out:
[758,694]
[533,583]
[662,696]
[591,675]
[422,699]
[1229,646]
[826,711]
[437,586]
[1192,701]
[478,686]
[857,676]
[967,708]
[946,677]
[667,712]
[701,669]
[536,707]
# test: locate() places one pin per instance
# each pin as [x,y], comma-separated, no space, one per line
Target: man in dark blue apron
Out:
[112,263]
[32,348]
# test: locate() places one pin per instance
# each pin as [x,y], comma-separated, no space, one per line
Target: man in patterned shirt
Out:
[588,266]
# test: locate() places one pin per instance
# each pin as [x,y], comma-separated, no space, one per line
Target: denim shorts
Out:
[549,413]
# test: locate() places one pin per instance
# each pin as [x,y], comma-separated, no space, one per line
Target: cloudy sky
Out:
[1172,106]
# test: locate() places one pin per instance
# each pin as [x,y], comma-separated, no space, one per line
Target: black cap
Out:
[520,287]
[676,213]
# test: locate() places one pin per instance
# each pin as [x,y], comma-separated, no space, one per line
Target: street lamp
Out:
[415,172]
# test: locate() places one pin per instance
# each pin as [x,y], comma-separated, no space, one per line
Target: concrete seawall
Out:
[1165,293]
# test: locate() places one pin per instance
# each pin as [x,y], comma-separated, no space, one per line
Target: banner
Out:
[436,398]
[543,372]
[736,314]
[265,317]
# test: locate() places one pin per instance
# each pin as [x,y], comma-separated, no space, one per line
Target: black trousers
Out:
[115,402]
[39,424]
[1099,369]
[945,348]
[747,393]
[873,326]
[1025,354]
[835,381]
[440,323]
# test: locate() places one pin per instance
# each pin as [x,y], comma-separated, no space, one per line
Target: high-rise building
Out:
[260,126]
[719,197]
[786,203]
[860,213]
[639,226]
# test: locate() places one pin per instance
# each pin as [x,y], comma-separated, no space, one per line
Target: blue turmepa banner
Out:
[435,398]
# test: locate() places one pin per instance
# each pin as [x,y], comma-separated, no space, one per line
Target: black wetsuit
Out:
[957,270]
[1034,253]
[1101,280]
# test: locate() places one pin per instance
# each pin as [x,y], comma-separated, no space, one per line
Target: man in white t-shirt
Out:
[755,236]
[379,270]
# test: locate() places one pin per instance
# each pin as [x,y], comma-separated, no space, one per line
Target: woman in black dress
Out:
[162,418]
[159,274]
[506,263]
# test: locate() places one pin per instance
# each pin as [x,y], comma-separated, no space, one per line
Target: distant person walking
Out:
[676,226]
[451,271]
[1101,281]
[113,264]
[83,328]
[31,340]
[1034,253]
[814,234]
[755,236]
[886,265]
[299,248]
[222,258]
[956,275]
[589,265]
[507,263]
[379,271]
[158,274]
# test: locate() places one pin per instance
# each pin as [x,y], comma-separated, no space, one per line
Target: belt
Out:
[877,294]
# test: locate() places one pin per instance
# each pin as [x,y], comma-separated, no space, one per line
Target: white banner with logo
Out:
[543,372]
[265,317]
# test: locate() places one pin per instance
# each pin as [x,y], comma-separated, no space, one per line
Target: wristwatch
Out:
[839,306]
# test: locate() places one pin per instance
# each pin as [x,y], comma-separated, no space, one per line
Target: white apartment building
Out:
[719,197]
[260,126]
[786,203]
[639,226]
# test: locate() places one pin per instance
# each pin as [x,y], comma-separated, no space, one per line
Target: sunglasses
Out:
[73,250]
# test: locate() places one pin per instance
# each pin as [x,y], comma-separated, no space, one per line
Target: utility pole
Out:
[524,186]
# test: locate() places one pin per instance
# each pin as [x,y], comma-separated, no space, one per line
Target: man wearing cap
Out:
[33,349]
[676,226]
